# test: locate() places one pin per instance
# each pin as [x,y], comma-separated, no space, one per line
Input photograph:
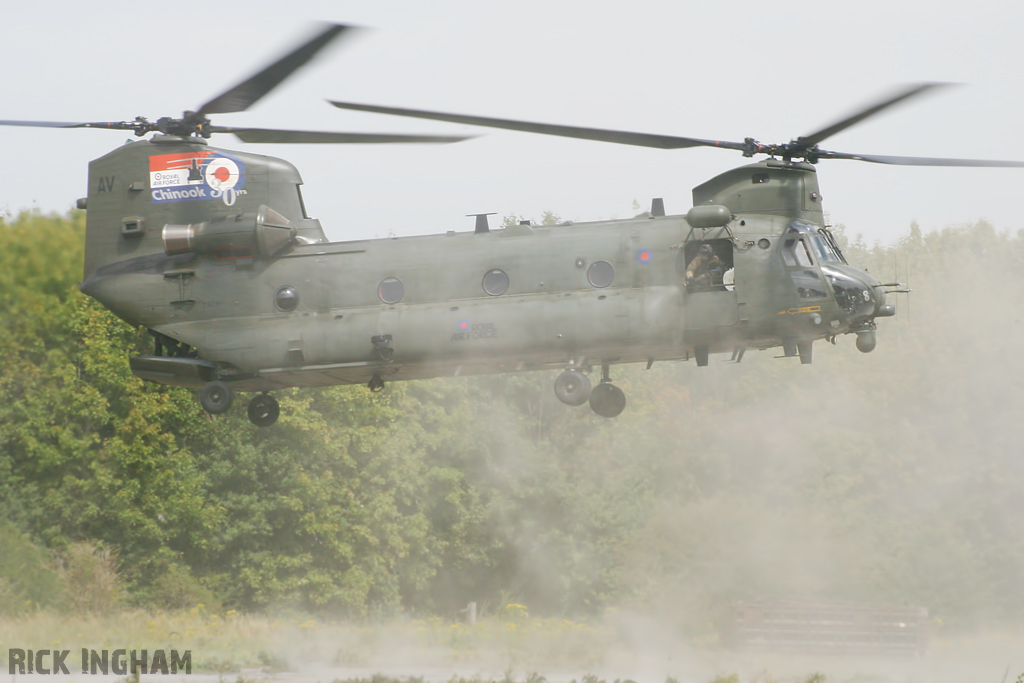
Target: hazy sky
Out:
[726,70]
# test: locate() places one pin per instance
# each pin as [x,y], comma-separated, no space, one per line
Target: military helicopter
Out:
[214,253]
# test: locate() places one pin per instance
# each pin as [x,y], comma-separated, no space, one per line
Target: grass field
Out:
[231,642]
[506,647]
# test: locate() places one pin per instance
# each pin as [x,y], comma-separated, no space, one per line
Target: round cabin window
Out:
[600,273]
[391,290]
[496,282]
[287,299]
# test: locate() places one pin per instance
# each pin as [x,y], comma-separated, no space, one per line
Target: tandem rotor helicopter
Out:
[214,253]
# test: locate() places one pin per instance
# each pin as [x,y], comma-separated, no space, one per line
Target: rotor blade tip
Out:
[336,28]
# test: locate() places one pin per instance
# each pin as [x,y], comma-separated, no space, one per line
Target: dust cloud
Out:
[894,477]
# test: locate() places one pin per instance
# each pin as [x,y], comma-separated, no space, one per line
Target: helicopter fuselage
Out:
[212,251]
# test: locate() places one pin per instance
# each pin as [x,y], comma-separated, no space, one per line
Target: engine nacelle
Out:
[265,232]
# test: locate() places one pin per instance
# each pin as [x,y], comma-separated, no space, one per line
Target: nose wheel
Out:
[572,387]
[263,410]
[607,400]
[216,397]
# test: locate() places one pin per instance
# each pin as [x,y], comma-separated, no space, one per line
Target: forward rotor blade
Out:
[246,93]
[907,93]
[112,125]
[316,137]
[599,134]
[921,161]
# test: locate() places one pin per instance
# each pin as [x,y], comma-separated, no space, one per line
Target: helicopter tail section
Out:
[143,196]
[169,207]
[119,221]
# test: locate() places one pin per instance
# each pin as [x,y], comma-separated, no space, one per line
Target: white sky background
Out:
[772,70]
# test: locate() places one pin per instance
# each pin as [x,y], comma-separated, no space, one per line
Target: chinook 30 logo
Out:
[196,175]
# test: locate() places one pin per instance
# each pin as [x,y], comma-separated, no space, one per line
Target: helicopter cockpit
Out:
[799,243]
[812,257]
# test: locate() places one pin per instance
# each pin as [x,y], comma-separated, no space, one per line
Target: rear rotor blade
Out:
[921,161]
[853,119]
[270,135]
[599,134]
[243,95]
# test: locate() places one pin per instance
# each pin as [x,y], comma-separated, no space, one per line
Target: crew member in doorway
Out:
[704,271]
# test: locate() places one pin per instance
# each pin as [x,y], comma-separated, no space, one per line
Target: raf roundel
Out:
[464,325]
[221,173]
[643,256]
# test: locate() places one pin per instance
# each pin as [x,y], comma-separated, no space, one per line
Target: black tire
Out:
[216,397]
[572,388]
[263,410]
[607,400]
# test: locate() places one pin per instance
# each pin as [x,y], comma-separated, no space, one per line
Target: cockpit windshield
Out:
[825,251]
[820,241]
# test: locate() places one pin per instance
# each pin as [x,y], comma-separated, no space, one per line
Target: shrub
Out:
[175,589]
[27,581]
[91,580]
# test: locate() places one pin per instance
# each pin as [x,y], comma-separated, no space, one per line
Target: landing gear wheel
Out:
[216,397]
[572,387]
[607,400]
[264,410]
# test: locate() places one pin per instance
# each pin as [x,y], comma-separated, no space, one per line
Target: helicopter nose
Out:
[882,309]
[859,295]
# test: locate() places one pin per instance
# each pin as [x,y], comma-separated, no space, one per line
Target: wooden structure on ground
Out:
[825,626]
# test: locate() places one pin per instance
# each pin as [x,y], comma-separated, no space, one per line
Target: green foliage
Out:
[175,589]
[90,577]
[547,218]
[27,579]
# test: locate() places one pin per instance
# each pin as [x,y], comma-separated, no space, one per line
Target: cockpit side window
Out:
[808,284]
[796,253]
[788,256]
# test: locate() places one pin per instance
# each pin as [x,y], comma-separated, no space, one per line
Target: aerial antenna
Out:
[481,222]
[900,287]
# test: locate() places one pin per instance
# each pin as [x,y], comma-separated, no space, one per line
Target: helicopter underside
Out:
[712,328]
